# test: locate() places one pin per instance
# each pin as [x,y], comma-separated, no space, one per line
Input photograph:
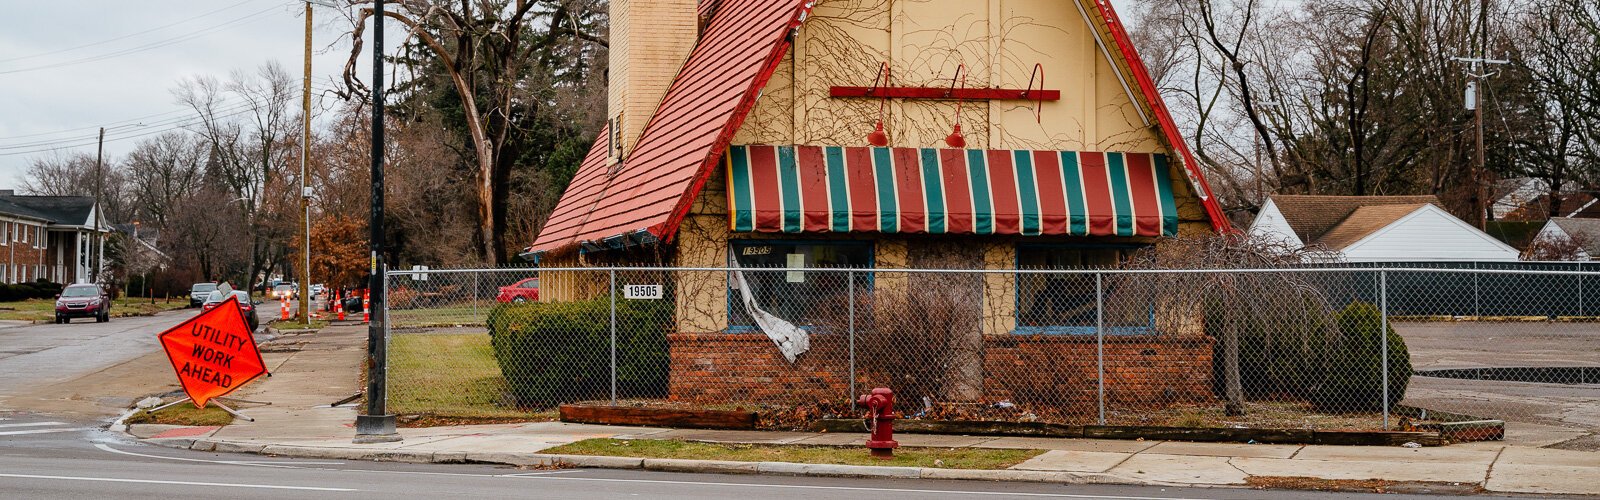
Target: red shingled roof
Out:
[581,195]
[681,144]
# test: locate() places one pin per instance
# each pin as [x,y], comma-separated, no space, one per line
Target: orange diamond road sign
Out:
[213,352]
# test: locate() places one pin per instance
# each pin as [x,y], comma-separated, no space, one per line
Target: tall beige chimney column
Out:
[650,39]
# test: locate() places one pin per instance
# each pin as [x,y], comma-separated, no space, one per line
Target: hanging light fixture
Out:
[955,139]
[879,138]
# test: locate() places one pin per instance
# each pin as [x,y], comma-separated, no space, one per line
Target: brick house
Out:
[883,135]
[55,238]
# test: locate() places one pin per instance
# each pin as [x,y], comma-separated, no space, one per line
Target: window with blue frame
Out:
[799,297]
[1065,303]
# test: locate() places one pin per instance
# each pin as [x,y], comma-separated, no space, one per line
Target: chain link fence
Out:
[1318,348]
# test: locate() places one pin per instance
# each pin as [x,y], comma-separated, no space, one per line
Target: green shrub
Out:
[560,352]
[33,290]
[1353,381]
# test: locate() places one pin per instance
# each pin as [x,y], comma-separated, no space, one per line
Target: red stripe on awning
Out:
[1097,193]
[813,187]
[908,173]
[1146,206]
[1003,186]
[1052,193]
[957,191]
[863,189]
[768,198]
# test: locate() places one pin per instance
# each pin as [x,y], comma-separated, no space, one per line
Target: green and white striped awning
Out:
[800,189]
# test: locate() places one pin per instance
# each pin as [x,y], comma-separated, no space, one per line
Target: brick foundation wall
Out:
[1056,369]
[1140,370]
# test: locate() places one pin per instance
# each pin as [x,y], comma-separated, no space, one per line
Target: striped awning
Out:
[814,189]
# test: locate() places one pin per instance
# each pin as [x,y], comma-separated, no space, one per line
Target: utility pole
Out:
[377,425]
[99,175]
[1261,196]
[305,189]
[1474,99]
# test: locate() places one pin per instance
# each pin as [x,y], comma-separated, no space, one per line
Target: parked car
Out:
[246,306]
[352,302]
[521,291]
[83,301]
[317,290]
[286,291]
[198,293]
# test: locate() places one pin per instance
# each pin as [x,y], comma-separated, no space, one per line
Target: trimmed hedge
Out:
[40,289]
[1354,381]
[560,352]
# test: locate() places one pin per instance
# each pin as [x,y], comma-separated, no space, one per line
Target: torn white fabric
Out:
[792,340]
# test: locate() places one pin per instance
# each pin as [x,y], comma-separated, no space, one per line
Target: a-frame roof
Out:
[648,196]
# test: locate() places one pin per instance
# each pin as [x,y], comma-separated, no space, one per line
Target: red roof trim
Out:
[666,231]
[1158,106]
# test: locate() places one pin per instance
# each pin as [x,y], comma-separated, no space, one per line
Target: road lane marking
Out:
[30,424]
[181,483]
[854,488]
[44,431]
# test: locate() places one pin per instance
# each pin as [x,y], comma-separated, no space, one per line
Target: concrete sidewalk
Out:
[325,367]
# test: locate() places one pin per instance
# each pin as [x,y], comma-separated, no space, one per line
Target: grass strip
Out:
[946,458]
[183,414]
[450,379]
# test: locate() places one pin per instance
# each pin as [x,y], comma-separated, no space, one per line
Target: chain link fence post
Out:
[613,294]
[1383,336]
[850,334]
[1100,342]
[475,286]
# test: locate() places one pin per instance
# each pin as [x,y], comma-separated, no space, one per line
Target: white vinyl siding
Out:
[1429,235]
[1271,227]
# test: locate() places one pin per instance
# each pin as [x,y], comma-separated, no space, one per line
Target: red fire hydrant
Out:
[880,422]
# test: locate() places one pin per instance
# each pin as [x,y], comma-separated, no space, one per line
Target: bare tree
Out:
[485,49]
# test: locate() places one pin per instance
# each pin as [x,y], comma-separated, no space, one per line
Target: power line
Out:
[123,37]
[152,45]
[78,142]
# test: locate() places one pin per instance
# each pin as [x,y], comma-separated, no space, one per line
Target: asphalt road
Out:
[52,454]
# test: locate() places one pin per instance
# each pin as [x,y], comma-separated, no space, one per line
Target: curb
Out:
[652,464]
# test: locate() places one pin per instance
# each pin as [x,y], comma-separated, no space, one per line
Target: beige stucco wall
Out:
[924,41]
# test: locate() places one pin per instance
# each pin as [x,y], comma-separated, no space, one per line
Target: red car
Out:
[521,291]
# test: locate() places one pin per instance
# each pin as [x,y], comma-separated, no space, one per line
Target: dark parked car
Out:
[352,302]
[521,291]
[246,306]
[83,301]
[198,293]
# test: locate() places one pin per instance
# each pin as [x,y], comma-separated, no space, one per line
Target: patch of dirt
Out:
[1590,442]
[1361,485]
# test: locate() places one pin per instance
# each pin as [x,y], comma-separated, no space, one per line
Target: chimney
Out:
[650,39]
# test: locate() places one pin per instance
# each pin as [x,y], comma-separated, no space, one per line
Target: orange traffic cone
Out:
[338,305]
[366,306]
[284,307]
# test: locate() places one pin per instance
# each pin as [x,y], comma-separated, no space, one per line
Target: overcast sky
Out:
[68,67]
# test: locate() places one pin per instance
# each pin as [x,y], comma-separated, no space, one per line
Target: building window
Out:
[1066,303]
[39,237]
[799,297]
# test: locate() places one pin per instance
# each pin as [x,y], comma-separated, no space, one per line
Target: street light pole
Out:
[377,425]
